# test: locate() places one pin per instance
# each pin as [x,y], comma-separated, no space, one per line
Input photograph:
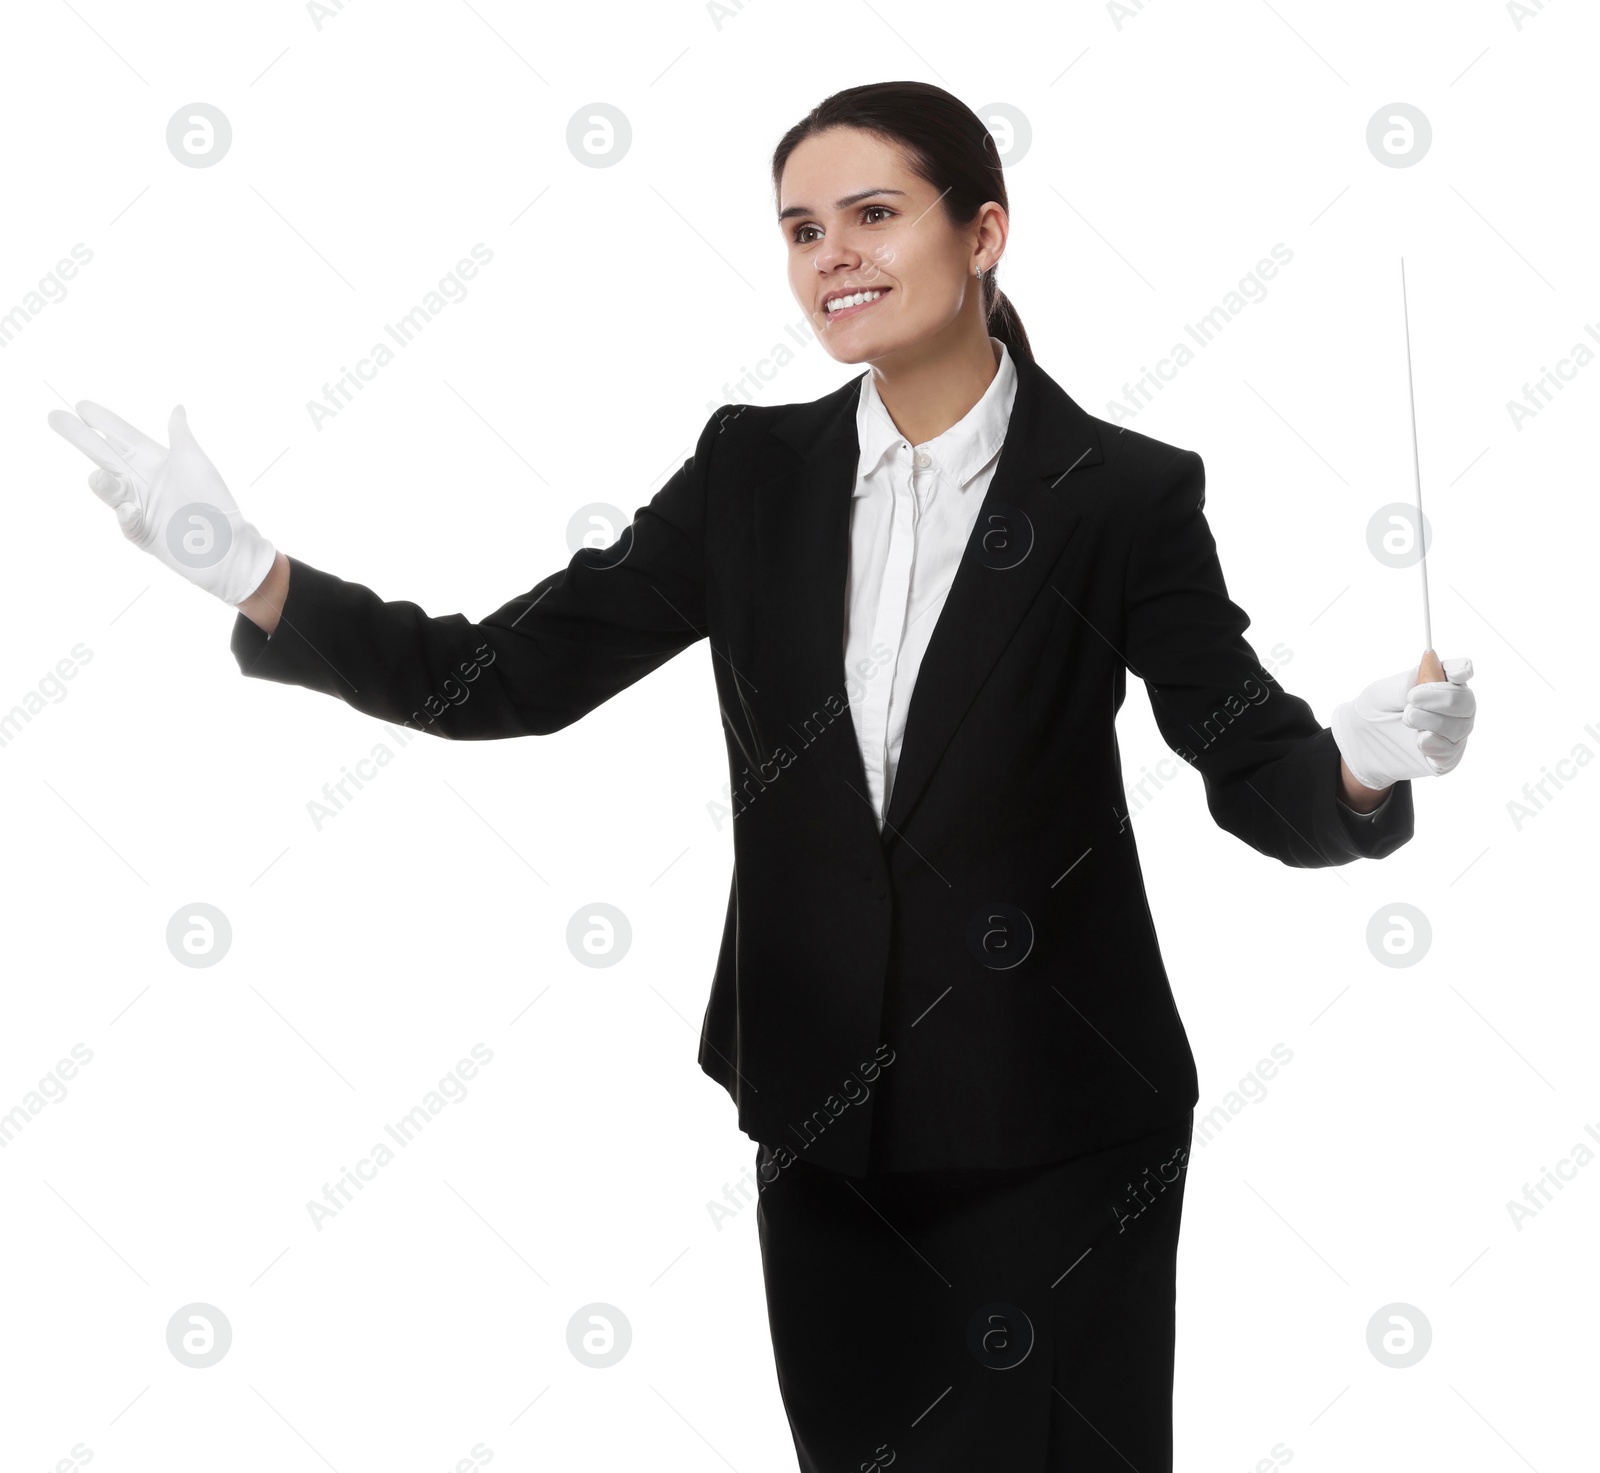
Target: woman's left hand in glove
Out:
[1414,723]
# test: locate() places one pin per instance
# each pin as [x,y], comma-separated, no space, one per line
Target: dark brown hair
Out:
[945,143]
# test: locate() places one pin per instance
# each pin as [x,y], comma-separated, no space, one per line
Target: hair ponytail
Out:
[1004,323]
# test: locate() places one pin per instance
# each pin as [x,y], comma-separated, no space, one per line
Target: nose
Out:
[845,270]
[836,256]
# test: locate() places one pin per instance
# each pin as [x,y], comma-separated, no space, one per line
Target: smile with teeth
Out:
[845,306]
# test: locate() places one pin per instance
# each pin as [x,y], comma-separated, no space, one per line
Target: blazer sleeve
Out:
[533,666]
[1271,770]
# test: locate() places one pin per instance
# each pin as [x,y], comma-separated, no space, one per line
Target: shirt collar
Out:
[962,450]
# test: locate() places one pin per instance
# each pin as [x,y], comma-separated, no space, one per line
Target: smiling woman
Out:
[887,278]
[943,884]
[893,207]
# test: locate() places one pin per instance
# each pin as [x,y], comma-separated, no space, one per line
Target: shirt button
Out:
[924,460]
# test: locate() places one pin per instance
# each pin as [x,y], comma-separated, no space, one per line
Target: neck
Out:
[931,387]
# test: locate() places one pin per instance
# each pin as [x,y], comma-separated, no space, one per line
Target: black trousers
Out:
[967,1320]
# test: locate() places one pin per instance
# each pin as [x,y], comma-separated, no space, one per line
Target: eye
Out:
[865,211]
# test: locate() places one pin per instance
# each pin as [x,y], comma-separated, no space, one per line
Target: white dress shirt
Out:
[911,514]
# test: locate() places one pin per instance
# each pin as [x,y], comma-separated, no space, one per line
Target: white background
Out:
[1169,153]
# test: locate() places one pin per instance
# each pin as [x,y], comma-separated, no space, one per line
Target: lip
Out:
[847,312]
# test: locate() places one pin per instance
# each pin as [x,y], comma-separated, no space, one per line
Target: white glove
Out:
[1397,729]
[171,503]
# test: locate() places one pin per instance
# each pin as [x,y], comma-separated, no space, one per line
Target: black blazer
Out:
[980,985]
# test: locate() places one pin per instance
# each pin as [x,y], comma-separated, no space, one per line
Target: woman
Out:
[940,1004]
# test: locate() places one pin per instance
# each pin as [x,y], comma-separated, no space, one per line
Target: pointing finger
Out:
[115,428]
[73,429]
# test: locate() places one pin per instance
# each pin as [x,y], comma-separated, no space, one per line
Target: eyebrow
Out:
[838,204]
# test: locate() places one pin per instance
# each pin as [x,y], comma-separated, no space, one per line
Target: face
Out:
[855,218]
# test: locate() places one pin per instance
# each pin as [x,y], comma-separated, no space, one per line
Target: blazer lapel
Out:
[1024,522]
[802,521]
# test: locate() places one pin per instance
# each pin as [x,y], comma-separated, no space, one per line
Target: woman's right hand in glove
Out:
[170,500]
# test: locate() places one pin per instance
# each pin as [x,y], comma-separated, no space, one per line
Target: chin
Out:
[863,348]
